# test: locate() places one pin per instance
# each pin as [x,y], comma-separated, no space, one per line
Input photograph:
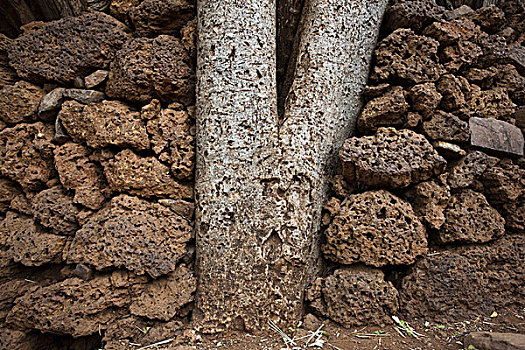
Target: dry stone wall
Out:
[96,154]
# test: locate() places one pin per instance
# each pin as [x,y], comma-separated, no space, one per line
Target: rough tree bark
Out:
[261,180]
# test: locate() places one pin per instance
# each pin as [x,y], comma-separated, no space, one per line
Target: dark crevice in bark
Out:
[289,14]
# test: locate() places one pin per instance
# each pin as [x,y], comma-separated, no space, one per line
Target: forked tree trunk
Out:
[261,180]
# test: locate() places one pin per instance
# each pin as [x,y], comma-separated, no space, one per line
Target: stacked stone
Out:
[96,190]
[436,165]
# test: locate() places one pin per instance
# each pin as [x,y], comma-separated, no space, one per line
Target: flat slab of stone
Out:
[496,135]
[495,341]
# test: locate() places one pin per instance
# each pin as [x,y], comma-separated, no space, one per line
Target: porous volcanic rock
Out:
[494,103]
[19,102]
[177,289]
[469,218]
[72,306]
[130,232]
[120,9]
[407,57]
[189,38]
[28,243]
[354,296]
[469,168]
[375,228]
[103,124]
[413,14]
[68,48]
[459,55]
[389,109]
[7,73]
[489,18]
[172,140]
[143,176]
[391,158]
[26,154]
[54,209]
[450,32]
[424,98]
[503,183]
[466,282]
[77,172]
[447,127]
[152,68]
[153,17]
[429,200]
[8,191]
[455,92]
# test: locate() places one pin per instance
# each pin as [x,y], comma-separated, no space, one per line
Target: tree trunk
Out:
[261,180]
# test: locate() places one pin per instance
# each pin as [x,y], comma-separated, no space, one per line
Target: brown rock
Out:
[465,282]
[172,140]
[375,228]
[120,9]
[28,243]
[73,306]
[429,200]
[503,183]
[391,158]
[450,32]
[96,78]
[458,12]
[459,55]
[407,57]
[151,110]
[446,126]
[19,102]
[132,233]
[68,48]
[143,176]
[181,207]
[7,74]
[495,340]
[455,91]
[389,109]
[189,38]
[415,15]
[103,124]
[152,68]
[354,296]
[55,210]
[494,103]
[449,150]
[496,136]
[84,96]
[8,191]
[177,290]
[469,169]
[470,219]
[424,98]
[489,18]
[78,173]
[153,17]
[26,154]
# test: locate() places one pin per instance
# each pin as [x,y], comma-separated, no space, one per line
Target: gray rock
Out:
[496,135]
[84,96]
[51,102]
[96,78]
[495,341]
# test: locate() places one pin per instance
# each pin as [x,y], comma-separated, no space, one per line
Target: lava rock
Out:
[154,17]
[54,209]
[51,103]
[152,68]
[8,191]
[389,109]
[130,232]
[7,73]
[103,124]
[455,92]
[450,32]
[391,158]
[496,136]
[424,98]
[446,126]
[375,228]
[413,14]
[494,103]
[68,48]
[429,200]
[19,102]
[354,296]
[468,169]
[143,176]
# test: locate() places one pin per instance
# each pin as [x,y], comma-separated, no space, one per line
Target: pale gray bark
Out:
[261,181]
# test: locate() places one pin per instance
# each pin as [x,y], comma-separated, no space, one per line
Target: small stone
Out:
[497,136]
[495,340]
[449,150]
[84,96]
[450,32]
[153,17]
[51,102]
[455,91]
[54,209]
[151,110]
[79,83]
[458,12]
[429,200]
[447,127]
[424,97]
[181,207]
[61,135]
[389,109]
[96,78]
[83,272]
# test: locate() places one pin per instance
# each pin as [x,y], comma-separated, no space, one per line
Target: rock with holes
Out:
[132,233]
[72,306]
[78,173]
[496,136]
[469,168]
[54,209]
[503,183]
[494,103]
[152,68]
[455,92]
[8,192]
[450,32]
[470,219]
[413,14]
[104,124]
[424,98]
[465,282]
[68,48]
[143,176]
[28,243]
[26,154]
[7,73]
[375,228]
[154,17]
[354,296]
[446,127]
[407,57]
[172,140]
[19,102]
[459,55]
[389,109]
[177,289]
[391,158]
[429,200]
